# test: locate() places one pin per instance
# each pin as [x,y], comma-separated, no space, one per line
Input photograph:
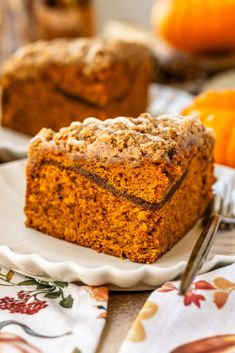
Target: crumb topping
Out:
[91,54]
[158,139]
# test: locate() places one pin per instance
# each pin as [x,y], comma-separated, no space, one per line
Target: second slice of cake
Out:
[52,83]
[126,187]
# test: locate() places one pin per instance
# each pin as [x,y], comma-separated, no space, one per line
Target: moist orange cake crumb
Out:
[50,84]
[125,187]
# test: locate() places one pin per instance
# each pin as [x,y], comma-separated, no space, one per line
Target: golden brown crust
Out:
[158,139]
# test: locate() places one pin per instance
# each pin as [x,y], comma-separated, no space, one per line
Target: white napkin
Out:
[48,317]
[170,323]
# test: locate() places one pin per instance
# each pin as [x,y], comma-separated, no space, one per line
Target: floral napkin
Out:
[202,321]
[46,317]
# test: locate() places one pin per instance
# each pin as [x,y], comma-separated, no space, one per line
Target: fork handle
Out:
[200,251]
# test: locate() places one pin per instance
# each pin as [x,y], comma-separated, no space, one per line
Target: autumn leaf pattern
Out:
[220,299]
[167,287]
[99,294]
[224,284]
[225,288]
[203,285]
[137,331]
[192,297]
[221,287]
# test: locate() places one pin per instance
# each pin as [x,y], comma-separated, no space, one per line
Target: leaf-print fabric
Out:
[207,310]
[137,332]
[43,317]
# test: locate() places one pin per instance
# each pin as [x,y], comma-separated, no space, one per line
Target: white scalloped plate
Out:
[162,99]
[37,254]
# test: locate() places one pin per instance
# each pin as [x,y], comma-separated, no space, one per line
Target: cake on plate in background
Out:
[52,83]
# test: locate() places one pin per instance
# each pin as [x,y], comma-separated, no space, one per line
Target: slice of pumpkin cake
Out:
[52,83]
[129,187]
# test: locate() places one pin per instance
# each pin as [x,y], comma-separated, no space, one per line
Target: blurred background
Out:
[185,59]
[191,43]
[135,11]
[22,21]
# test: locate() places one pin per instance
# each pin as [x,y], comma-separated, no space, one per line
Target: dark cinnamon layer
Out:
[151,206]
[81,100]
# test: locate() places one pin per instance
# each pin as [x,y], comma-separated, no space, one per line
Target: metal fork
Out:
[222,213]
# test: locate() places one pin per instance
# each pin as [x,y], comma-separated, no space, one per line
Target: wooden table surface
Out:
[122,310]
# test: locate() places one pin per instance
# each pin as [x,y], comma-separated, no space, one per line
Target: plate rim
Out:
[116,278]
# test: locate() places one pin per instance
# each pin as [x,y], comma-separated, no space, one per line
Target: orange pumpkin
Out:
[216,109]
[196,25]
